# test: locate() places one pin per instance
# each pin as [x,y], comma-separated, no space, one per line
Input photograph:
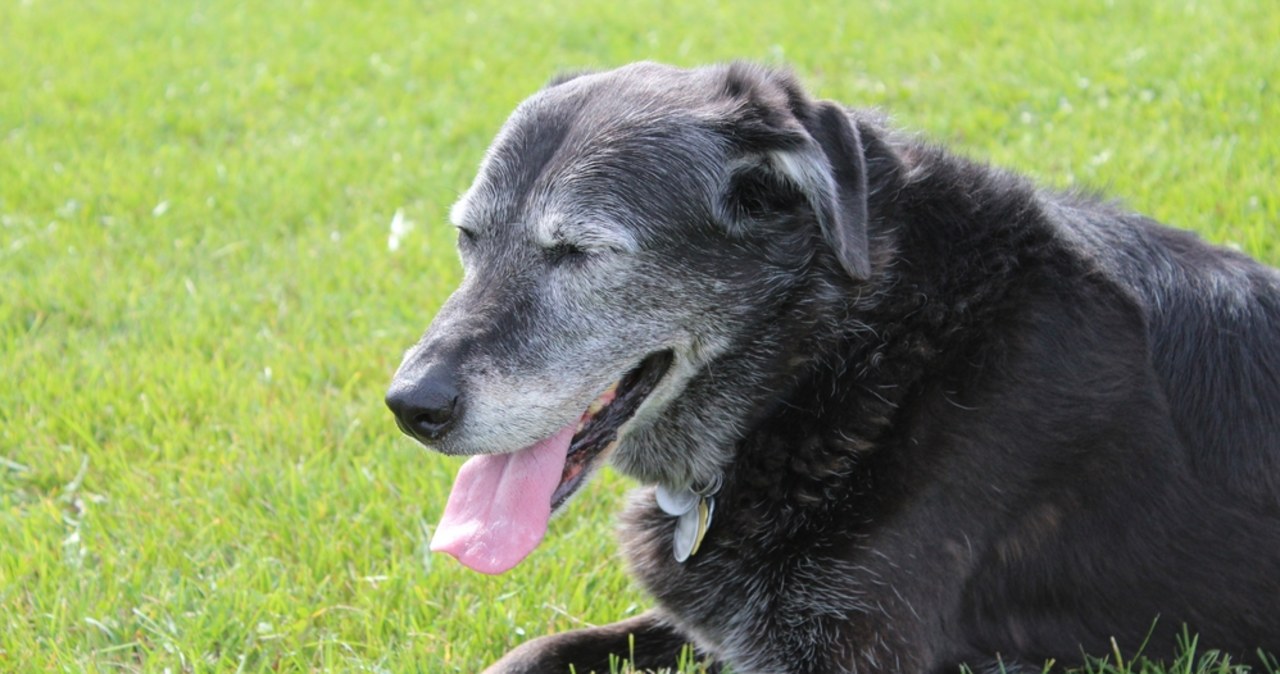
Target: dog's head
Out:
[632,248]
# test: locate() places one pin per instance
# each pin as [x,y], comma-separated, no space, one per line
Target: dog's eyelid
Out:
[562,249]
[582,249]
[590,241]
[588,235]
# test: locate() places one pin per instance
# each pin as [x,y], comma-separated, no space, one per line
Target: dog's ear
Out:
[795,149]
[841,195]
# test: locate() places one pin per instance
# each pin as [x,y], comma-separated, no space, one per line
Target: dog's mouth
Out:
[500,503]
[597,432]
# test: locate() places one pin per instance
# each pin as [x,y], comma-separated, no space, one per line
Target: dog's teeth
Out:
[613,388]
[595,406]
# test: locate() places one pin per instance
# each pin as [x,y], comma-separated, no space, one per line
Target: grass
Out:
[199,309]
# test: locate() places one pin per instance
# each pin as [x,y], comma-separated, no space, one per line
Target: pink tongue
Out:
[500,503]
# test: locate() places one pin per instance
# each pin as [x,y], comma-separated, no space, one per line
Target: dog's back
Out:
[1213,322]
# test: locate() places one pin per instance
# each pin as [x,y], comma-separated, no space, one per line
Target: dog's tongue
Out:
[498,510]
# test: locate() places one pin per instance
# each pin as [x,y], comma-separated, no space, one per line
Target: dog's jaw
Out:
[670,442]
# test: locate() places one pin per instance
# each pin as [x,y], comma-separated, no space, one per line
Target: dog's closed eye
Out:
[562,252]
[465,235]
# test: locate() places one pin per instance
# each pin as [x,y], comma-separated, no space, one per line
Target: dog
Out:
[890,410]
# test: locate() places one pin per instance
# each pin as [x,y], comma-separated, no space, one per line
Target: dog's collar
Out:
[693,508]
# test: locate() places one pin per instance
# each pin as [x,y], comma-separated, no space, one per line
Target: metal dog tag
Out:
[691,528]
[675,503]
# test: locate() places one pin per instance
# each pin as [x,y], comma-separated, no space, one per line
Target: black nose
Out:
[425,406]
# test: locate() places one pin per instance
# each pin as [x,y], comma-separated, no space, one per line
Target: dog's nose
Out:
[425,408]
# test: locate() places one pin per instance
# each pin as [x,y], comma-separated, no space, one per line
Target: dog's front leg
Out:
[645,640]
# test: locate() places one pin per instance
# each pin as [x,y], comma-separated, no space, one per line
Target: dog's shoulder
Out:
[1212,322]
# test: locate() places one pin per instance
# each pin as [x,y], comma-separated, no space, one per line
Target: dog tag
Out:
[675,503]
[691,528]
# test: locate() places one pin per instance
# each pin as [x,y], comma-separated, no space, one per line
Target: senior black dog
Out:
[890,409]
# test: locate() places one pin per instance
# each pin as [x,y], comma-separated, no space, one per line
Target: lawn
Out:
[200,307]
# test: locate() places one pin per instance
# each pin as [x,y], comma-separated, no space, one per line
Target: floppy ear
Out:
[818,160]
[838,194]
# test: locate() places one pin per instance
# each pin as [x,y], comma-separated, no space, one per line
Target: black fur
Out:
[1002,423]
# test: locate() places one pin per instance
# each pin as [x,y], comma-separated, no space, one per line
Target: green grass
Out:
[199,310]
